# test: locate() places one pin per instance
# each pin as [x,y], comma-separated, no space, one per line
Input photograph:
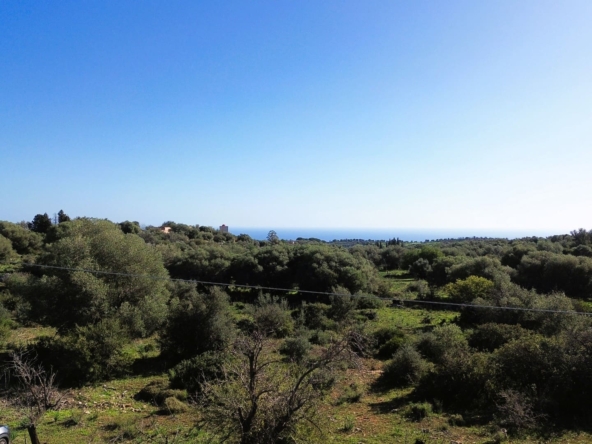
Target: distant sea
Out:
[405,234]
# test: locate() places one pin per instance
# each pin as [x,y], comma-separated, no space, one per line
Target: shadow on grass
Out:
[392,405]
[149,366]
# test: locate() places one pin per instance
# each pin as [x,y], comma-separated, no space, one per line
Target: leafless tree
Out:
[37,390]
[262,398]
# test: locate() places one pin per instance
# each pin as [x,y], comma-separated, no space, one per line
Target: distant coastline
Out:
[404,234]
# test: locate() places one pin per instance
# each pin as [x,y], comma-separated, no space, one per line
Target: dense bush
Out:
[315,315]
[23,241]
[66,299]
[369,302]
[406,368]
[386,341]
[342,307]
[296,348]
[547,272]
[489,337]
[420,269]
[191,374]
[459,380]
[469,289]
[87,354]
[272,316]
[445,339]
[196,324]
[485,267]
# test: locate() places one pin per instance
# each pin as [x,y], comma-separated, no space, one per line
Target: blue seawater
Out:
[404,234]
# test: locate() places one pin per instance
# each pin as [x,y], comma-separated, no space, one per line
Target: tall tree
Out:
[40,223]
[272,237]
[63,217]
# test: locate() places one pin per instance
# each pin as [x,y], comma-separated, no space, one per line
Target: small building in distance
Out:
[165,230]
[223,228]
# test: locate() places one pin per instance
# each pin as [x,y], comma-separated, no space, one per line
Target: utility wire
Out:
[259,287]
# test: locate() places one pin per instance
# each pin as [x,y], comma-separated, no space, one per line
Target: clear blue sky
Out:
[447,114]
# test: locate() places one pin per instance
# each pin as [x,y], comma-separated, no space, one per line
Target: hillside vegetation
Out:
[114,333]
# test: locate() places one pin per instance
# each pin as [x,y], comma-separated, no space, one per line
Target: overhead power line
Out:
[325,293]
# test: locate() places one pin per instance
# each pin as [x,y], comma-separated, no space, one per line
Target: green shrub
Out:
[296,349]
[369,302]
[5,326]
[387,341]
[342,307]
[315,315]
[418,411]
[388,350]
[443,339]
[190,374]
[406,368]
[368,314]
[321,337]
[489,337]
[87,354]
[351,394]
[456,420]
[469,289]
[173,406]
[196,324]
[271,316]
[459,379]
[420,287]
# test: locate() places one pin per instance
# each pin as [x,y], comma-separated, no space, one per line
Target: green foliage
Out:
[6,251]
[406,368]
[130,227]
[490,337]
[5,325]
[63,217]
[315,315]
[427,252]
[467,290]
[369,302]
[548,272]
[197,323]
[420,269]
[387,341]
[417,411]
[24,241]
[485,267]
[444,339]
[342,305]
[506,294]
[296,348]
[87,354]
[272,316]
[392,257]
[191,374]
[40,223]
[173,406]
[66,299]
[459,380]
[420,287]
